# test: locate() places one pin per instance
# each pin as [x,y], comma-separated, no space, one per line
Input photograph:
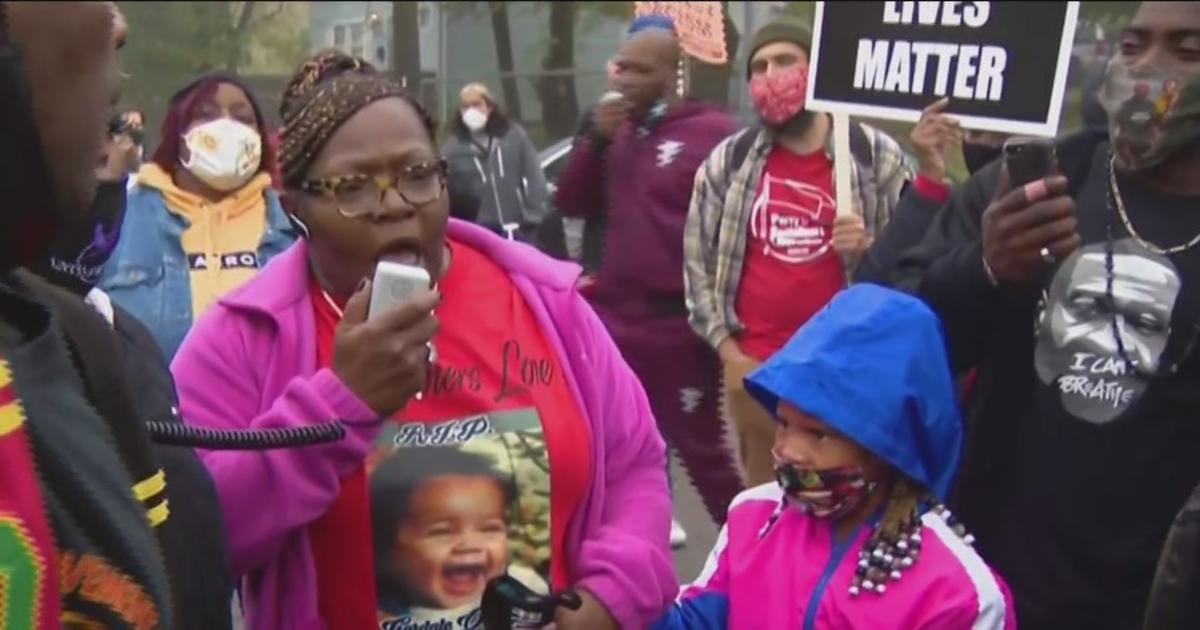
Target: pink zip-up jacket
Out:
[789,574]
[251,362]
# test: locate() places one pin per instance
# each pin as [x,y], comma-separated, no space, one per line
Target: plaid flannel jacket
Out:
[714,241]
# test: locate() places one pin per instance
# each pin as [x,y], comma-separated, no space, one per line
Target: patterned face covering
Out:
[830,493]
[327,90]
[1153,114]
[223,153]
[780,96]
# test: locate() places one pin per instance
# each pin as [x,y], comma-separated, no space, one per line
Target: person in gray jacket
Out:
[491,157]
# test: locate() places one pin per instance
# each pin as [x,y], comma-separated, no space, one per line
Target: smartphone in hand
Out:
[1029,159]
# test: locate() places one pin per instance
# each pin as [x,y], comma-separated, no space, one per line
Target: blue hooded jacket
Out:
[872,365]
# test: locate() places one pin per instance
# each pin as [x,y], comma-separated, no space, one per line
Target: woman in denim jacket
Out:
[202,217]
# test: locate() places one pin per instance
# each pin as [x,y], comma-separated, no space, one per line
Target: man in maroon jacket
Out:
[642,157]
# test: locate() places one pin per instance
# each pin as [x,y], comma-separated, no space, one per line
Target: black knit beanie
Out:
[780,31]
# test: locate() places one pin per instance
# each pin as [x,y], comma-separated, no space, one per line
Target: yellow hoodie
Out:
[221,239]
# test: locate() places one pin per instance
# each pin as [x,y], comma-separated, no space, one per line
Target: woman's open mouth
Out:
[406,253]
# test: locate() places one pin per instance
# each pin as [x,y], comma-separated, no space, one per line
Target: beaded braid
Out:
[326,91]
[895,544]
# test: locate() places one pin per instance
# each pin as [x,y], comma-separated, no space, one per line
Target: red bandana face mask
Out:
[780,96]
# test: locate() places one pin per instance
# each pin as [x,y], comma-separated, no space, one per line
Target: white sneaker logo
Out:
[668,150]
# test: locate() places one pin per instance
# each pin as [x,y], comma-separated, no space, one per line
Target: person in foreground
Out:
[520,372]
[127,381]
[77,547]
[1077,298]
[853,534]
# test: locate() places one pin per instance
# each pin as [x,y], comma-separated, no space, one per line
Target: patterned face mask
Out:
[1153,114]
[830,493]
[224,153]
[780,96]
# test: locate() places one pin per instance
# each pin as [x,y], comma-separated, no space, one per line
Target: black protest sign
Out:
[1003,64]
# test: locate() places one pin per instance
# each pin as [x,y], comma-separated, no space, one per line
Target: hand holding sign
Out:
[1020,223]
[935,134]
[850,236]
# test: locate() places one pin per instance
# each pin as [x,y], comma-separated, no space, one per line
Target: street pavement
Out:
[702,532]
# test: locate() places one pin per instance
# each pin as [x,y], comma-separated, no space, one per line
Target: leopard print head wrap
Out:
[324,93]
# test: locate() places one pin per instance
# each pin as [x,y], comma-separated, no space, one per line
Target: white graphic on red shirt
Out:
[792,220]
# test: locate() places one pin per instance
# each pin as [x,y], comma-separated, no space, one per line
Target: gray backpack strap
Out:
[741,149]
[860,146]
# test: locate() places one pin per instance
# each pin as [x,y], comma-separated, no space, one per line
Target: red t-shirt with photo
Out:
[790,269]
[493,361]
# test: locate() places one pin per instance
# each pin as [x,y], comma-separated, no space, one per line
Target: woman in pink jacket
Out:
[853,534]
[499,455]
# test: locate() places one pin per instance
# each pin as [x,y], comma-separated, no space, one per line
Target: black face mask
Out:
[80,253]
[977,156]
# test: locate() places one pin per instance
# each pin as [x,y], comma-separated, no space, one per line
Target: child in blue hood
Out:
[853,534]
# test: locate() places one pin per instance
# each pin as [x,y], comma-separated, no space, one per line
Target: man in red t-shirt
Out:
[764,246]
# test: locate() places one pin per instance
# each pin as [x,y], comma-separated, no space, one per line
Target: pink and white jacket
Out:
[871,365]
[791,575]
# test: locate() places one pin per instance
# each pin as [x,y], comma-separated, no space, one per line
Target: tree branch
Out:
[275,12]
[236,44]
[247,13]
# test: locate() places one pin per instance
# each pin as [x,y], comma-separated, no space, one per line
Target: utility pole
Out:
[502,31]
[748,29]
[406,46]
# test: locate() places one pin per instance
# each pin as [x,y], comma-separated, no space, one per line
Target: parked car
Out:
[553,160]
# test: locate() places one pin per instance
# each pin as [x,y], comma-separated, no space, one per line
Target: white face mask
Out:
[474,119]
[224,153]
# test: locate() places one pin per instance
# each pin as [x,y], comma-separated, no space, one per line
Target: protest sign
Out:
[700,25]
[1003,64]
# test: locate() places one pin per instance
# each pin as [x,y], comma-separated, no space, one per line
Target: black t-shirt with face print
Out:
[1108,447]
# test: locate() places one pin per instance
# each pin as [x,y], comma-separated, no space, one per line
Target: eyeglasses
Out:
[361,195]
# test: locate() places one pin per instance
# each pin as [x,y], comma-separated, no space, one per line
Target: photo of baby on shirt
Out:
[453,506]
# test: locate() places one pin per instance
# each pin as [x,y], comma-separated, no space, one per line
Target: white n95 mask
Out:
[474,119]
[224,153]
